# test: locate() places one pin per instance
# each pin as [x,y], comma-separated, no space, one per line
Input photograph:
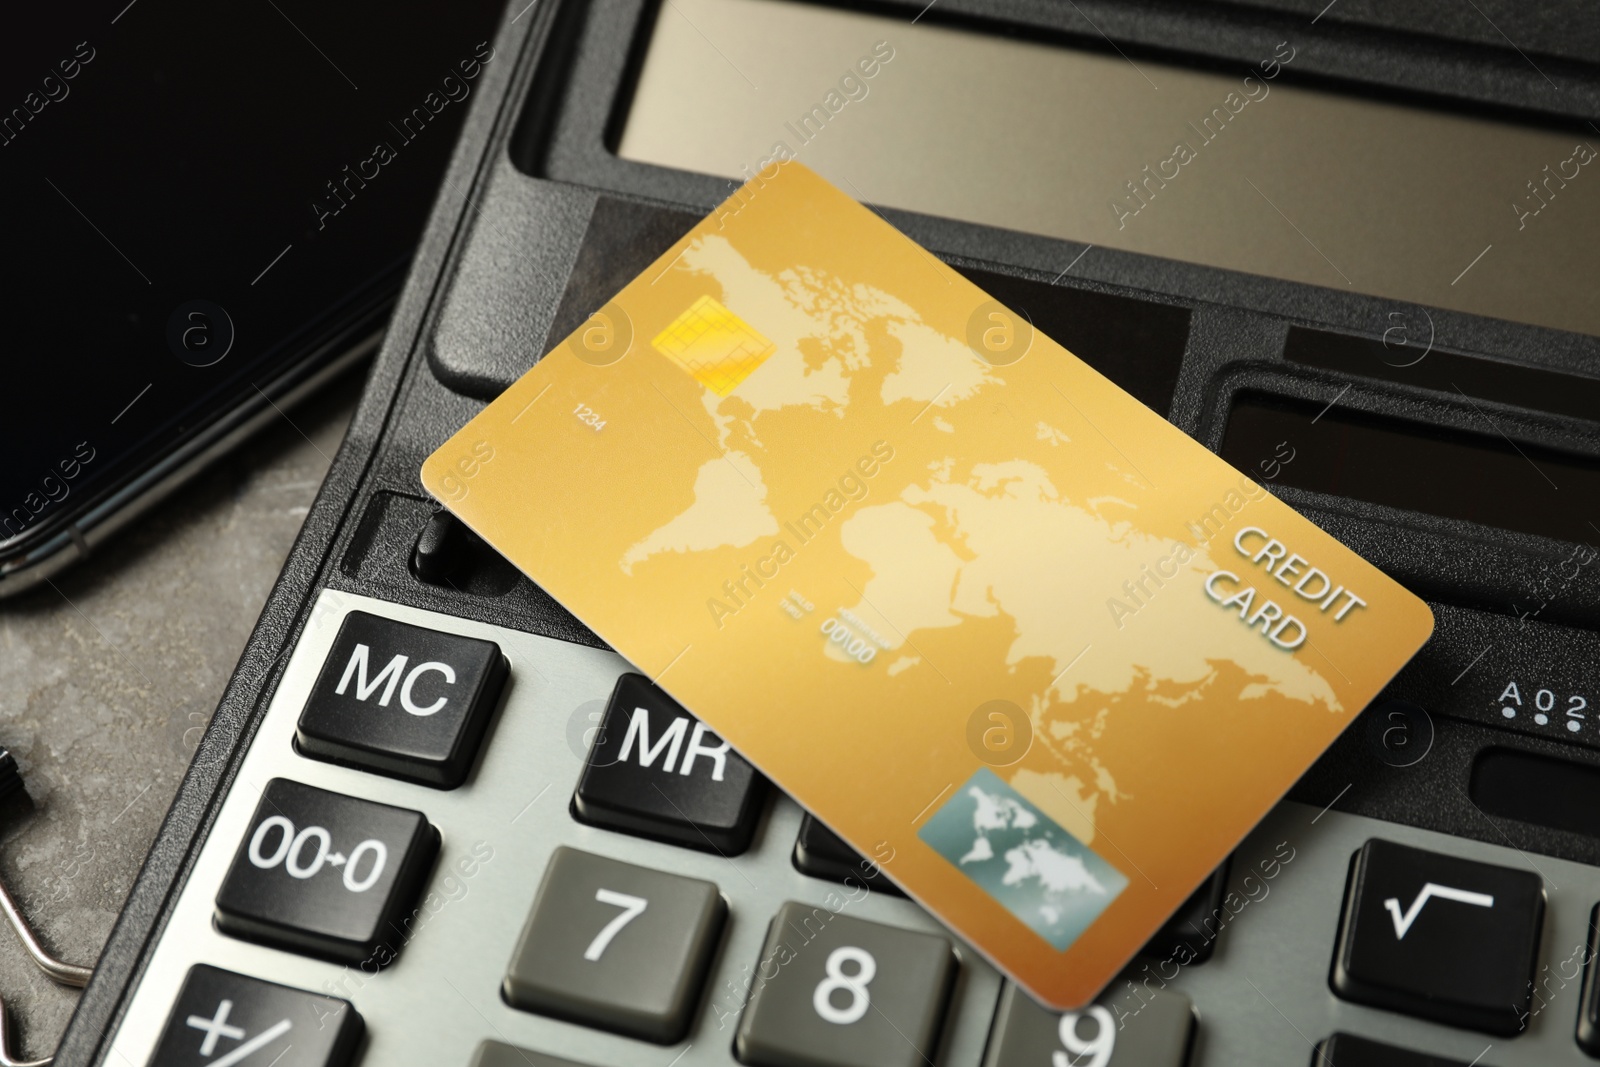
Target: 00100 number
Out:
[853,646]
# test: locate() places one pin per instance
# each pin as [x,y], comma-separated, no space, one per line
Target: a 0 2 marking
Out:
[631,906]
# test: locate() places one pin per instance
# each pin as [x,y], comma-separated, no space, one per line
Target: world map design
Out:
[942,539]
[1019,856]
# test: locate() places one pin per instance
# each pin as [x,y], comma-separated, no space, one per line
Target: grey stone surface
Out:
[108,678]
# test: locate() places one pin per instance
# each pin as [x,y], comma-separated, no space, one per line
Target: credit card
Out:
[1007,631]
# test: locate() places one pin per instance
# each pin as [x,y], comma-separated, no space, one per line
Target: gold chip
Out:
[717,348]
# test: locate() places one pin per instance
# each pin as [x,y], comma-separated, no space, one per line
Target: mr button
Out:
[402,700]
[1439,937]
[656,771]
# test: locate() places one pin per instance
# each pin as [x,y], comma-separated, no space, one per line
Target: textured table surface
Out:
[108,677]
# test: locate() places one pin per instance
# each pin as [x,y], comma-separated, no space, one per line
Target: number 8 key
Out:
[831,990]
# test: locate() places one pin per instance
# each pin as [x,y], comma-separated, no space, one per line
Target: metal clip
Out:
[5,1046]
[69,974]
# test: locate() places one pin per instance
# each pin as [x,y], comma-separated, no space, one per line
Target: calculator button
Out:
[497,1054]
[1589,999]
[222,1019]
[1347,1050]
[616,946]
[440,555]
[835,991]
[821,853]
[449,555]
[402,700]
[1439,937]
[326,874]
[1191,933]
[1156,1033]
[657,771]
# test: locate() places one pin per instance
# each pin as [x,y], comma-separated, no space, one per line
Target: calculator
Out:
[435,821]
[451,841]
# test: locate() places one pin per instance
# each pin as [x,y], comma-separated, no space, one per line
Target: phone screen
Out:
[199,195]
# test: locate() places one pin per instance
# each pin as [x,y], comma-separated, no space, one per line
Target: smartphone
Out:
[211,208]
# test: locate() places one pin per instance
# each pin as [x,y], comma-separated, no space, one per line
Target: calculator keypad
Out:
[326,874]
[716,980]
[616,946]
[831,990]
[221,1019]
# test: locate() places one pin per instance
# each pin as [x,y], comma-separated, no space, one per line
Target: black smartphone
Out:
[210,208]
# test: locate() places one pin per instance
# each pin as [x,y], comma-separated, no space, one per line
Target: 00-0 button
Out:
[290,850]
[324,873]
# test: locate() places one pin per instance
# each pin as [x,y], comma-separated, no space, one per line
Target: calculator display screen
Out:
[1246,169]
[1477,477]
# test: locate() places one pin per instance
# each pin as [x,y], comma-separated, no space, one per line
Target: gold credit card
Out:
[1007,631]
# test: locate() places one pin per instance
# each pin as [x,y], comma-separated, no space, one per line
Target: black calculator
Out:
[435,821]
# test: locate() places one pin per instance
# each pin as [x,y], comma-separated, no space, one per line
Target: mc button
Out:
[402,700]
